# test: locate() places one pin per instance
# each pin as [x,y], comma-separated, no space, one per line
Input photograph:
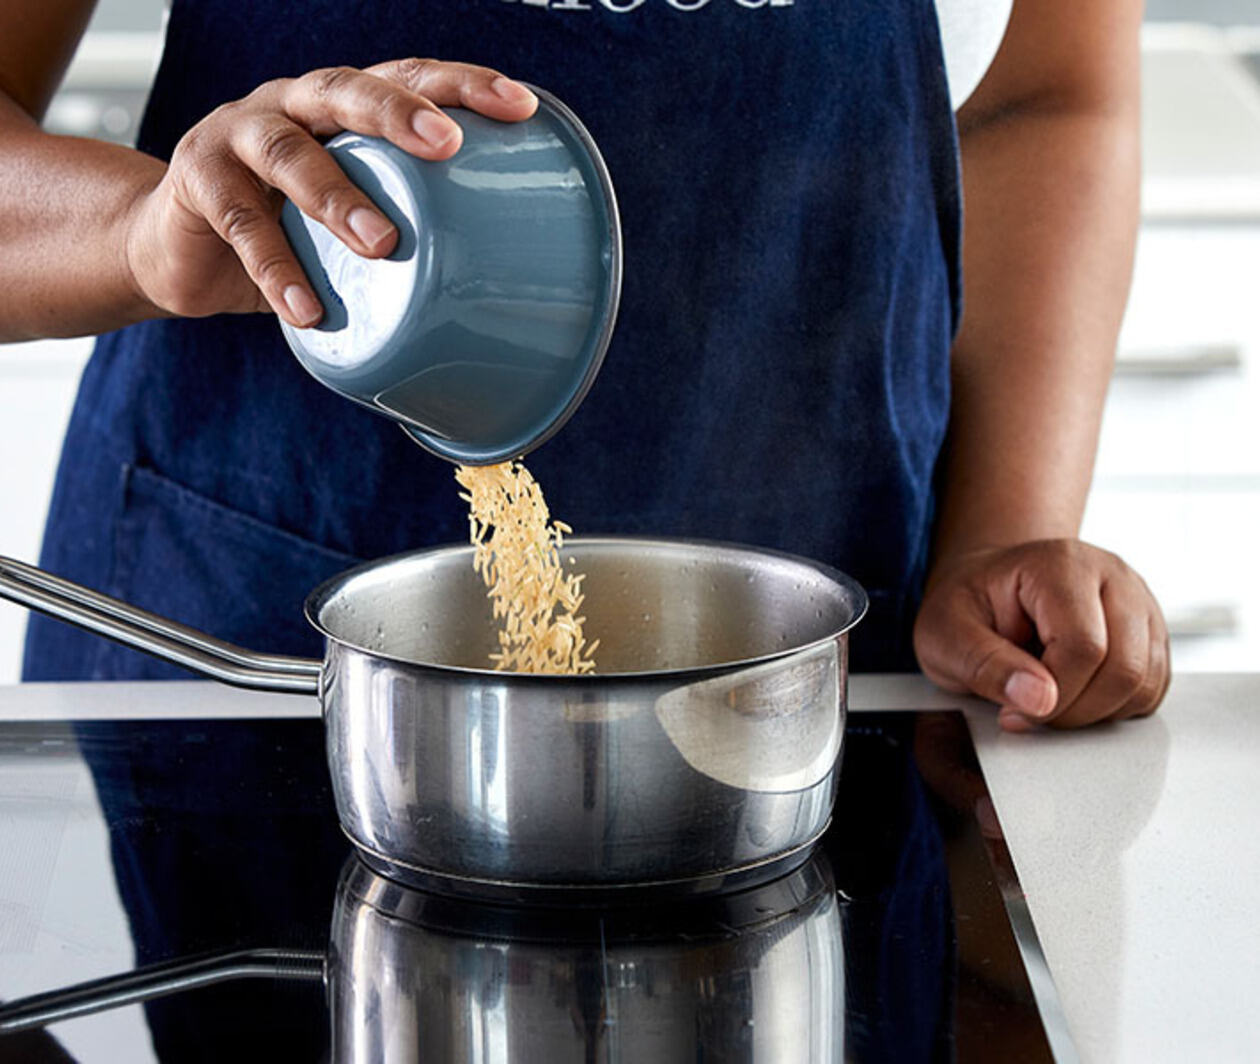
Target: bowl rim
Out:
[595,343]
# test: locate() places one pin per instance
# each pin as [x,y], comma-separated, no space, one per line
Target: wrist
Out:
[136,256]
[958,554]
[976,520]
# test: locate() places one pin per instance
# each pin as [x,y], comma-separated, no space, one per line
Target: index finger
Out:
[477,88]
[335,98]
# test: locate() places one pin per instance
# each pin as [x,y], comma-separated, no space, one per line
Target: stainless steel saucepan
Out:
[702,754]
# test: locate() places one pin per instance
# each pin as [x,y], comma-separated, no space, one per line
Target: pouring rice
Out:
[518,556]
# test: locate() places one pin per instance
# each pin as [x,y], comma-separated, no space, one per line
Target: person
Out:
[792,366]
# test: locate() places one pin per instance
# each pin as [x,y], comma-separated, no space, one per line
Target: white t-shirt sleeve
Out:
[971,32]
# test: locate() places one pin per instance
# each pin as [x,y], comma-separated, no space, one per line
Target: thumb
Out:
[964,654]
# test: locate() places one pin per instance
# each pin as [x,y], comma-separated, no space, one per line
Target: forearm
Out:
[64,204]
[1051,197]
[1017,610]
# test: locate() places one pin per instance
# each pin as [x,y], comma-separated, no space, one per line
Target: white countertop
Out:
[1136,845]
[1138,848]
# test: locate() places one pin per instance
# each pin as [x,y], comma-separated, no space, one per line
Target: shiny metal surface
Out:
[1036,967]
[706,746]
[709,746]
[410,977]
[689,607]
[756,977]
[567,783]
[159,980]
[134,627]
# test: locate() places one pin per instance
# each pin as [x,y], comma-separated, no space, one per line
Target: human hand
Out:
[207,238]
[1055,631]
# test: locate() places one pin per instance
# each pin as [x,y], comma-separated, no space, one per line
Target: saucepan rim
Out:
[325,592]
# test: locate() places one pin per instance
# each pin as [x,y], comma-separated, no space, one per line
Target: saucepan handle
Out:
[169,640]
[156,981]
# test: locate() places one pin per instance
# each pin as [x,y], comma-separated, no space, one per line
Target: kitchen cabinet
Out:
[1177,483]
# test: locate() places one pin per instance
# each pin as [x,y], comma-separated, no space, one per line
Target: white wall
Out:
[112,69]
[37,385]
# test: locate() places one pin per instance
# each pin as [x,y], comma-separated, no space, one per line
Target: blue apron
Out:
[787,172]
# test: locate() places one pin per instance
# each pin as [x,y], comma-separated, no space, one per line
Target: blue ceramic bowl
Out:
[485,328]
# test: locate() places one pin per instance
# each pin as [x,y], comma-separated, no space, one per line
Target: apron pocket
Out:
[186,557]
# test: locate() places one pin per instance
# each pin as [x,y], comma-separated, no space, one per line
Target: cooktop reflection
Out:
[179,891]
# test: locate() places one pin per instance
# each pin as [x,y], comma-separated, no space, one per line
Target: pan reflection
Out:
[793,970]
[756,976]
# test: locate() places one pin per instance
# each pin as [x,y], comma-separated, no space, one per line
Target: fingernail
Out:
[1029,694]
[368,226]
[511,91]
[1011,721]
[434,128]
[302,305]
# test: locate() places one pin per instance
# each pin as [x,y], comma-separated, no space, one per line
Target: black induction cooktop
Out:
[244,929]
